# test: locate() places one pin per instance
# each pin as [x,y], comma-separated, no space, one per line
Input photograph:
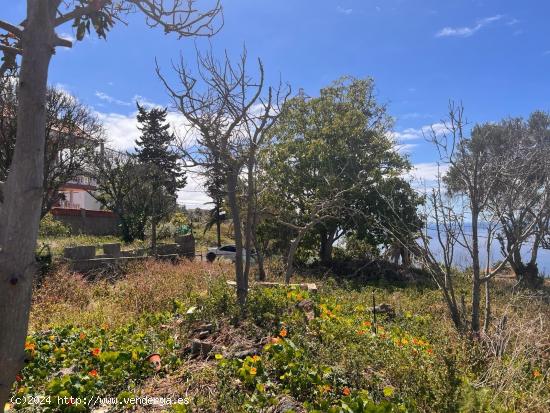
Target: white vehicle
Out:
[228,252]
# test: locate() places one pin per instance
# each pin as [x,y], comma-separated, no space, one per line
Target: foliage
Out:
[337,145]
[337,361]
[50,227]
[121,188]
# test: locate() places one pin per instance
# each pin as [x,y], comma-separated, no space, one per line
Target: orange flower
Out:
[346,391]
[325,388]
[96,352]
[361,332]
[253,371]
[536,374]
[283,332]
[429,351]
[30,346]
[367,323]
[82,336]
[93,373]
[256,358]
[275,340]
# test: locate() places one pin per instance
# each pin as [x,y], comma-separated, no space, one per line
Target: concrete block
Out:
[112,250]
[79,253]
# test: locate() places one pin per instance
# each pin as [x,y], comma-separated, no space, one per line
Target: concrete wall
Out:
[88,222]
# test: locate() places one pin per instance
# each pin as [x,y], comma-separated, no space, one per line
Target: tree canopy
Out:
[337,145]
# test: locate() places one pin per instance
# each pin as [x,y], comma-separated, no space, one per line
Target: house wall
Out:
[77,199]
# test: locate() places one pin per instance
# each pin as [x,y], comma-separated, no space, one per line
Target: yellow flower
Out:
[218,356]
[404,341]
[52,338]
[256,359]
[253,371]
[8,406]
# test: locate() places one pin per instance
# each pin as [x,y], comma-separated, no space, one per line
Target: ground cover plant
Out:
[296,351]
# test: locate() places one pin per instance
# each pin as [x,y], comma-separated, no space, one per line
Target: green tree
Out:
[162,172]
[337,147]
[123,189]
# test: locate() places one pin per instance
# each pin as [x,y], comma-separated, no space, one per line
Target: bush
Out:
[50,227]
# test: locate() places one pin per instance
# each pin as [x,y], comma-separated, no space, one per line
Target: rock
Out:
[66,371]
[285,405]
[308,307]
[385,309]
[203,334]
[200,348]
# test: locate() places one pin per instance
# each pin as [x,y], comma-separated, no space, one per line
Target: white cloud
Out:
[428,171]
[468,31]
[546,53]
[405,148]
[67,36]
[344,11]
[414,133]
[423,176]
[122,130]
[104,96]
[193,195]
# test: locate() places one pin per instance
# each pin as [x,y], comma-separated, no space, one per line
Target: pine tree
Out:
[163,173]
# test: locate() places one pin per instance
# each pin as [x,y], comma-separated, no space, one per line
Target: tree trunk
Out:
[528,275]
[291,253]
[261,268]
[240,278]
[476,283]
[20,211]
[487,322]
[218,224]
[154,237]
[327,242]
[250,216]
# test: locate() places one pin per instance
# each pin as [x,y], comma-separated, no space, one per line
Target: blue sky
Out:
[492,55]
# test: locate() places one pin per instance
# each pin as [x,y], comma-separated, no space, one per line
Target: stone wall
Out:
[88,222]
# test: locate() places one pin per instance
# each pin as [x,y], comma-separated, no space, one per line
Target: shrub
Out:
[50,227]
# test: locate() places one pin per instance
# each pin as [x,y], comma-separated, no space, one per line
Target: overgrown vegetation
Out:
[311,352]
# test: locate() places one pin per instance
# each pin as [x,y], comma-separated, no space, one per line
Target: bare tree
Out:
[459,208]
[73,133]
[228,118]
[521,199]
[35,40]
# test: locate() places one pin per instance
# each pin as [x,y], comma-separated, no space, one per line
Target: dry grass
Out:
[67,298]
